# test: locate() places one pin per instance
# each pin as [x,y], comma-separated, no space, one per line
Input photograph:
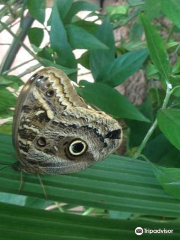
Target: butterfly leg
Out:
[42,185]
[19,167]
[21,182]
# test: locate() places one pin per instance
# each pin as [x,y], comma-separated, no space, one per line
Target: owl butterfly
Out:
[55,131]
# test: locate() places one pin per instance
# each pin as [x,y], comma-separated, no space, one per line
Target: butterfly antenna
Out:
[44,190]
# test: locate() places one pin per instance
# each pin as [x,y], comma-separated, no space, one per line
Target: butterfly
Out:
[55,131]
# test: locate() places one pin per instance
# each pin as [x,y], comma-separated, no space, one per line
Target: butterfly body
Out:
[55,131]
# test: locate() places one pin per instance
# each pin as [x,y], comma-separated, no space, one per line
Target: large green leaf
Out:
[122,67]
[156,48]
[77,7]
[110,101]
[169,123]
[101,58]
[117,183]
[37,9]
[64,7]
[25,223]
[171,9]
[59,41]
[81,39]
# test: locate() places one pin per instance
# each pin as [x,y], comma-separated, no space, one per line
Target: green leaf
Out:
[35,36]
[134,45]
[169,179]
[10,81]
[152,8]
[48,63]
[84,59]
[24,201]
[151,71]
[19,222]
[6,128]
[136,2]
[100,59]
[4,81]
[47,53]
[7,100]
[168,121]
[113,10]
[119,215]
[110,101]
[156,48]
[122,67]
[81,39]
[59,41]
[12,199]
[37,9]
[171,9]
[138,130]
[64,6]
[167,155]
[176,67]
[136,35]
[117,183]
[77,7]
[90,27]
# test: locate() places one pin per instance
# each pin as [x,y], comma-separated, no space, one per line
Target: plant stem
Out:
[20,65]
[157,93]
[153,127]
[22,44]
[9,8]
[170,33]
[15,36]
[16,44]
[146,139]
[10,20]
[30,70]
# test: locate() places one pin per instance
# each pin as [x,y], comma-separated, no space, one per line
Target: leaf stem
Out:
[169,91]
[146,139]
[170,33]
[17,66]
[30,70]
[9,8]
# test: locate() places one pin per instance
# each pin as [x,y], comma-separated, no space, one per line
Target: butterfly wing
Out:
[74,140]
[45,94]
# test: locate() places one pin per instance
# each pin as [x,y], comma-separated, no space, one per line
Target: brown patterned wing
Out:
[46,94]
[74,140]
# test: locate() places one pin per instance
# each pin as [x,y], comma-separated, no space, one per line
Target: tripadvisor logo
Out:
[140,231]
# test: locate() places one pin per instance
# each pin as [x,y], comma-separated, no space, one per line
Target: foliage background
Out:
[121,193]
